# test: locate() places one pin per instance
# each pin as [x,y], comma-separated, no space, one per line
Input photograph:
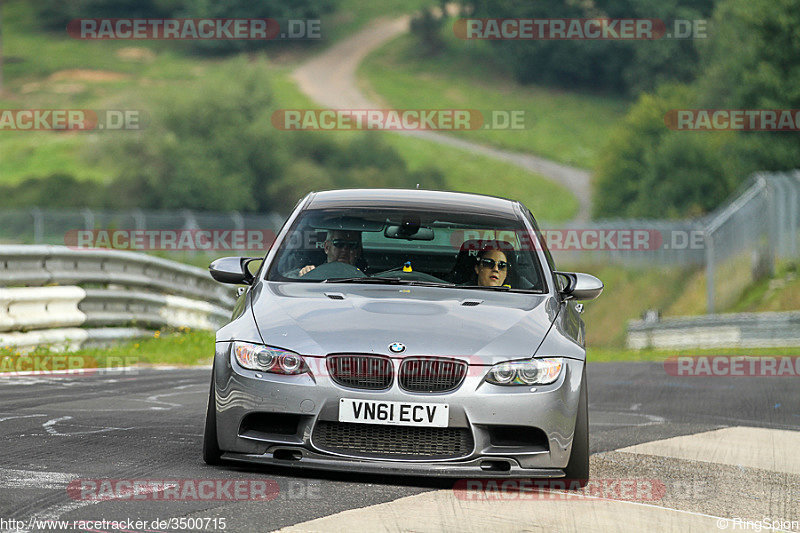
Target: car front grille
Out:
[361,371]
[431,374]
[395,442]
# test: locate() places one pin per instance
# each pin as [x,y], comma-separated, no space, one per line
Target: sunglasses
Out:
[344,243]
[489,263]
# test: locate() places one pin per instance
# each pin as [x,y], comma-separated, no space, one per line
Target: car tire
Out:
[212,455]
[577,470]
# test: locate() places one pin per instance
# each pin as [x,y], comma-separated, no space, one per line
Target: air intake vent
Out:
[335,295]
[395,442]
[431,374]
[361,371]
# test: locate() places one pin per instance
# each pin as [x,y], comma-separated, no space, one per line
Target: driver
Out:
[340,246]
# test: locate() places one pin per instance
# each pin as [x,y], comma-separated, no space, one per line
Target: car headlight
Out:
[529,372]
[268,359]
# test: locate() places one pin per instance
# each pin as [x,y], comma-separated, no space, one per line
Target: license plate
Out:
[394,413]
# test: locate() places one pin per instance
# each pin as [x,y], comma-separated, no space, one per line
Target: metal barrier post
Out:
[38,225]
[709,238]
[88,218]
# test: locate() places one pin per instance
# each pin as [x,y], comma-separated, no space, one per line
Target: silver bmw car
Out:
[403,332]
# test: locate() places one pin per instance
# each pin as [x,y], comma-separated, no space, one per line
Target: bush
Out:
[55,14]
[604,65]
[217,150]
[752,61]
[650,171]
[427,27]
[56,190]
[204,150]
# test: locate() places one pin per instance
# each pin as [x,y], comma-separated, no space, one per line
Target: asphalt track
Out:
[147,424]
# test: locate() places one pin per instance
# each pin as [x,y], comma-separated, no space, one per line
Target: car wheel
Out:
[577,470]
[211,452]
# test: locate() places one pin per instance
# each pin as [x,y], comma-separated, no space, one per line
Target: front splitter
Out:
[467,469]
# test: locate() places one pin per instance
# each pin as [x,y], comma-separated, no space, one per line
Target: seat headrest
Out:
[476,245]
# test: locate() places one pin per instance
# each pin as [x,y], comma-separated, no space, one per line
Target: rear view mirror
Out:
[233,270]
[579,286]
[418,233]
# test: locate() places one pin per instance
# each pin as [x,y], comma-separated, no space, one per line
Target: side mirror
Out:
[232,270]
[580,286]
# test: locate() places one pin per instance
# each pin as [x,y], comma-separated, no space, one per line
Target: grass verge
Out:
[608,355]
[628,293]
[180,348]
[197,348]
[462,170]
[467,172]
[568,127]
[49,70]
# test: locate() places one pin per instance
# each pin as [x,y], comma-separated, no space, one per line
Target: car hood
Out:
[320,319]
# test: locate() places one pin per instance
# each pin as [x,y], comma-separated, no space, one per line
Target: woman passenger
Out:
[491,268]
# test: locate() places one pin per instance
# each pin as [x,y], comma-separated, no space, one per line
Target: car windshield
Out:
[391,246]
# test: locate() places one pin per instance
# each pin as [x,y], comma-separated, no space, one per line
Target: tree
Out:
[217,149]
[1,46]
[751,61]
[624,66]
[650,171]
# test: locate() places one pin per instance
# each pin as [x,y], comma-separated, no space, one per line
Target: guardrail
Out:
[746,330]
[68,298]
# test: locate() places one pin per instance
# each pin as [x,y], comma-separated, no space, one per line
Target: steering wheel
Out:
[334,270]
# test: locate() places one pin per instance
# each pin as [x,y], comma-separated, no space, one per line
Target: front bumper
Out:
[476,406]
[312,460]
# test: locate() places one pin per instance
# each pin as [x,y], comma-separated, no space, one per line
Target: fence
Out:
[744,237]
[736,244]
[71,297]
[665,242]
[40,226]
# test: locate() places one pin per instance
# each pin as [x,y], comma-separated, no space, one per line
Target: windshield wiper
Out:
[368,279]
[391,281]
[492,287]
[419,283]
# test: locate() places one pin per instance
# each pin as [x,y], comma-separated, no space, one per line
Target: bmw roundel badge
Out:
[397,347]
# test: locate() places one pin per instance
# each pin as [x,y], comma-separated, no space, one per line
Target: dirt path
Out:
[330,80]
